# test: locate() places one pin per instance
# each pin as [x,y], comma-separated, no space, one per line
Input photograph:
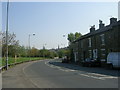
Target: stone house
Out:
[97,44]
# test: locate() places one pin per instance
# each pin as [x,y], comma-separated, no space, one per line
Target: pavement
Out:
[54,74]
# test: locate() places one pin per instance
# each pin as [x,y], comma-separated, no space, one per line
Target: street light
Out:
[29,42]
[7,35]
[64,37]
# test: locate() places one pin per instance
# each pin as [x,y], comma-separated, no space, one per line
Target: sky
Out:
[51,20]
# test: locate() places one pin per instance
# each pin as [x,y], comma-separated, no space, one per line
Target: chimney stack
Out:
[101,25]
[92,29]
[113,20]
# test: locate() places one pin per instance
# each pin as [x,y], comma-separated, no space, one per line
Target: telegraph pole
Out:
[7,35]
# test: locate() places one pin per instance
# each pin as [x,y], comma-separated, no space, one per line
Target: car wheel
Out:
[89,65]
[111,66]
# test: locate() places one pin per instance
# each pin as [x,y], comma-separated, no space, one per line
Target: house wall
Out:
[97,50]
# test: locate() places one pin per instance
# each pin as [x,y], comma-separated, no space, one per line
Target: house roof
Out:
[106,28]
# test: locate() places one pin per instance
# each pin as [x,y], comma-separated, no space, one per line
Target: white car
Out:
[113,59]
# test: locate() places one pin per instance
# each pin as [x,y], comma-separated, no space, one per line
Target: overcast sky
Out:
[51,20]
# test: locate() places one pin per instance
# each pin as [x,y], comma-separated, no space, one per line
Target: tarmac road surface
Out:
[54,74]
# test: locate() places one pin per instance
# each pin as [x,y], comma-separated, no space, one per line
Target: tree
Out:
[11,39]
[47,53]
[61,53]
[34,52]
[77,35]
[12,44]
[72,37]
[22,51]
[52,54]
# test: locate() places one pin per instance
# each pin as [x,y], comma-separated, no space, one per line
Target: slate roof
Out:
[106,28]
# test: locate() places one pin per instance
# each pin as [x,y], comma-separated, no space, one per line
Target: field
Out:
[12,60]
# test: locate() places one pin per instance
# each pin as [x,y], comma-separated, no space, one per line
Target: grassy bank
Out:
[12,60]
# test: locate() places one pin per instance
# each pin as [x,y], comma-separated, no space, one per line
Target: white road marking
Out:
[97,74]
[92,76]
[112,77]
[103,76]
[82,73]
[73,70]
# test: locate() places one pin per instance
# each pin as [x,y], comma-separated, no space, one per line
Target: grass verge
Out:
[12,60]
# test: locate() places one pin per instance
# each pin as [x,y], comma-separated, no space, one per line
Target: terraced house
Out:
[97,44]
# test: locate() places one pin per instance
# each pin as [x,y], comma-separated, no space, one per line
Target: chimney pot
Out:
[101,25]
[92,29]
[113,20]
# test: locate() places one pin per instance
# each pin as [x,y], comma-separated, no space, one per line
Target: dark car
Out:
[90,62]
[65,59]
[86,62]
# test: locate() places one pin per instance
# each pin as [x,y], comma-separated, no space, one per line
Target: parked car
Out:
[113,60]
[90,62]
[65,59]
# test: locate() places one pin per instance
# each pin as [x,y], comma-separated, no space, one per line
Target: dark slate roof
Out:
[106,28]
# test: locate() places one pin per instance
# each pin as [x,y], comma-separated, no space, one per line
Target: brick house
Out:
[97,44]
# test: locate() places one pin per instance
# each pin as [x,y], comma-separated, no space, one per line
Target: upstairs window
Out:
[81,44]
[102,39]
[89,39]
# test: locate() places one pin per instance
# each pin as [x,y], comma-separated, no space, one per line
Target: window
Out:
[81,44]
[89,42]
[90,53]
[75,56]
[103,54]
[102,60]
[95,53]
[102,39]
[102,51]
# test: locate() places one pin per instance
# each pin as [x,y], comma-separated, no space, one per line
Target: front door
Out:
[95,54]
[75,56]
[84,55]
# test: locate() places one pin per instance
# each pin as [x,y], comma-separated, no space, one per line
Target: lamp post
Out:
[29,43]
[7,35]
[64,37]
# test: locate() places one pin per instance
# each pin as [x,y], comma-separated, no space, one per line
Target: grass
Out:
[0,61]
[12,60]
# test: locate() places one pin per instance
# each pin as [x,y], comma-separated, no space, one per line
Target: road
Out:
[54,74]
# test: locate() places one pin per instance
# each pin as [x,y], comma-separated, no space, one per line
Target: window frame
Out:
[102,36]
